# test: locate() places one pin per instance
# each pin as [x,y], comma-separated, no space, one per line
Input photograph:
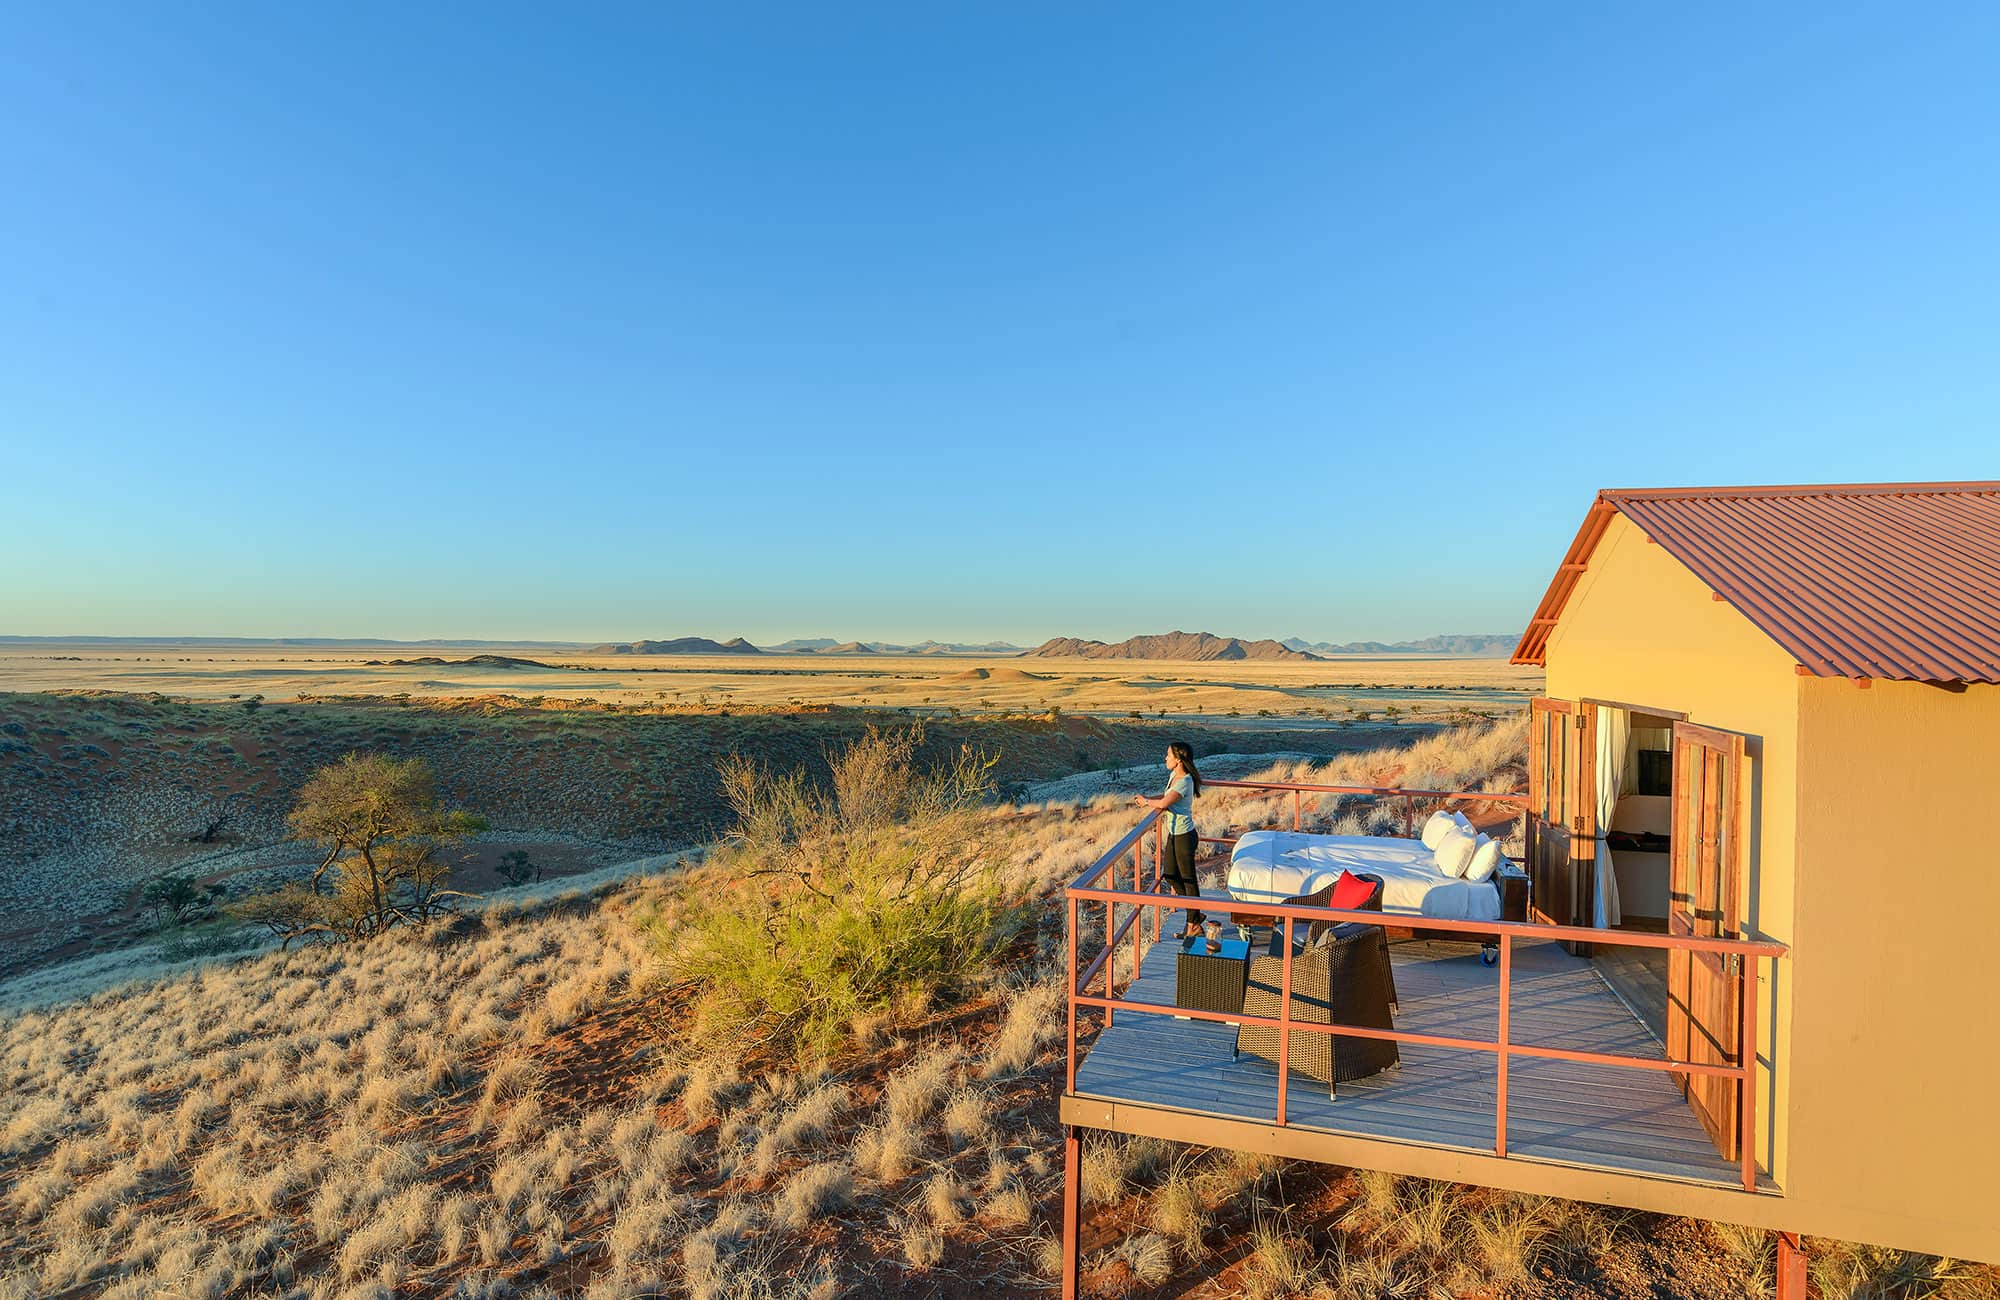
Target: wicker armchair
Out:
[1342,979]
[1323,897]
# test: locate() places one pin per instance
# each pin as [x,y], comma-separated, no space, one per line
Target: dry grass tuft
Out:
[815,1190]
[1034,1017]
[922,1243]
[945,1201]
[808,1118]
[968,1116]
[711,1086]
[704,1252]
[1239,1177]
[1150,1257]
[1755,1250]
[1103,1173]
[912,1092]
[1010,1207]
[1178,1212]
[1279,1262]
[1847,1271]
[886,1152]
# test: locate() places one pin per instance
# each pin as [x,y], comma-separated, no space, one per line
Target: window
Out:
[1656,771]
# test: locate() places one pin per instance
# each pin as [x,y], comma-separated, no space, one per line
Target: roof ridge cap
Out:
[1611,496]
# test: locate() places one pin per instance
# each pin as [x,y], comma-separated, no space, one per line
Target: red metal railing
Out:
[1141,898]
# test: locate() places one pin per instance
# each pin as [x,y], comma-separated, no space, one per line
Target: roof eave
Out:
[1534,644]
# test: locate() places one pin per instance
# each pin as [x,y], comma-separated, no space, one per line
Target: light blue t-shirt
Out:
[1180,814]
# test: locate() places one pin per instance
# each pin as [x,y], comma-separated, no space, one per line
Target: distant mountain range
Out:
[1196,646]
[1199,647]
[1465,645]
[822,645]
[475,661]
[680,645]
[826,645]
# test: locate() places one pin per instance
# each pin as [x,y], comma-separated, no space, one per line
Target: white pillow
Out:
[1435,829]
[1485,860]
[1464,822]
[1455,852]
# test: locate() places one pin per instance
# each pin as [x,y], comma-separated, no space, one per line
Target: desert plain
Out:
[1345,687]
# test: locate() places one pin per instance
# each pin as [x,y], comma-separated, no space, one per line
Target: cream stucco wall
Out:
[1899,907]
[1640,629]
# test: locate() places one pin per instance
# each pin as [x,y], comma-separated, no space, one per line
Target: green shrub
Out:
[178,899]
[516,868]
[833,904]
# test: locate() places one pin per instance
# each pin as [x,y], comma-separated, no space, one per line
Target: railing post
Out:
[1791,1267]
[1295,810]
[1284,1020]
[1072,1205]
[1138,913]
[1110,949]
[1160,870]
[1073,991]
[1747,1082]
[1502,1038]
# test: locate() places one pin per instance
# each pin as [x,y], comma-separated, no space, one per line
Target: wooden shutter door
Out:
[1706,877]
[1552,771]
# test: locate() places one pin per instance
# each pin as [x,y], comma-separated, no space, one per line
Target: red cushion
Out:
[1351,891]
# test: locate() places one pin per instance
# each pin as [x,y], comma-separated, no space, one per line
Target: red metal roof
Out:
[1899,581]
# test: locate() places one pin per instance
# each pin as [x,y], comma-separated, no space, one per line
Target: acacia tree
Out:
[176,899]
[384,834]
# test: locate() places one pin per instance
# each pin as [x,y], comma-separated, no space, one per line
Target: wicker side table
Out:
[1205,981]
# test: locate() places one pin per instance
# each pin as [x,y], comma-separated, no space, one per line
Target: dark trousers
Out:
[1178,870]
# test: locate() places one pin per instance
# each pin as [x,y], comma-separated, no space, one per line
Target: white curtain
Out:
[1614,730]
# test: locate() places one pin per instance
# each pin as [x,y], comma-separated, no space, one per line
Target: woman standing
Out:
[1183,784]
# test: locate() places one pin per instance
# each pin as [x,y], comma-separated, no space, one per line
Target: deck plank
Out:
[1562,1111]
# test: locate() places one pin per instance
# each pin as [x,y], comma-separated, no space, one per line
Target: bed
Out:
[1271,866]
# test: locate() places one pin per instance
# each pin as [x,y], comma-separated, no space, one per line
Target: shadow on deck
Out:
[1558,1111]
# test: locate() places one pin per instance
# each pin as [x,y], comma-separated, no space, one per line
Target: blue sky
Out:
[952,320]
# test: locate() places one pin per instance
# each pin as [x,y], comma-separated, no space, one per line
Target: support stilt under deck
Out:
[1072,1205]
[1791,1267]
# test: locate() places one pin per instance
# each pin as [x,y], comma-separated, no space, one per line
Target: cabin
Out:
[1750,983]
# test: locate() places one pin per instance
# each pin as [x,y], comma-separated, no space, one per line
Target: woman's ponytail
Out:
[1185,753]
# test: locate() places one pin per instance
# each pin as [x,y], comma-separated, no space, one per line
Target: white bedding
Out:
[1271,866]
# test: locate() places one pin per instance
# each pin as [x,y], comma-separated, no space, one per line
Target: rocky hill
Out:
[827,645]
[680,645]
[470,661]
[1473,645]
[1197,647]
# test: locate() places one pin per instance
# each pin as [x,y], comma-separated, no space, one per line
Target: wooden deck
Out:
[1591,1115]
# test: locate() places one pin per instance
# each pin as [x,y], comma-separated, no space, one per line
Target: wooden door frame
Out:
[1539,795]
[1732,870]
[1578,814]
[1583,824]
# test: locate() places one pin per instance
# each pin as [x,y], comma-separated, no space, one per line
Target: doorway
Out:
[1669,797]
[1639,836]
